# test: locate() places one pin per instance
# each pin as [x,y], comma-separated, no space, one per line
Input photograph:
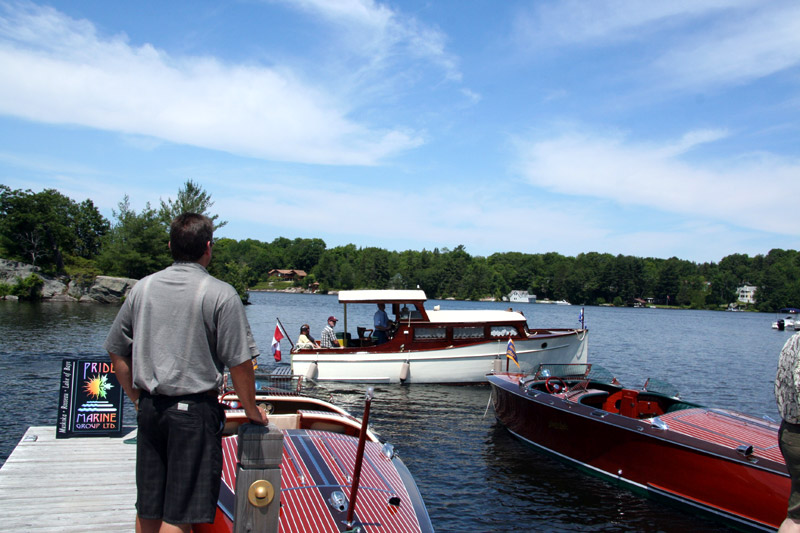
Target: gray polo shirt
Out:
[181,326]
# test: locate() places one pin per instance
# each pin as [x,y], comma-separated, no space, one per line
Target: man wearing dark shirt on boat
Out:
[382,324]
[169,343]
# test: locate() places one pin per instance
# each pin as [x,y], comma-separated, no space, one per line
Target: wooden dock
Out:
[64,485]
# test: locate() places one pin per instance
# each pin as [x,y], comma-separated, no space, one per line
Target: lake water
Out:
[472,474]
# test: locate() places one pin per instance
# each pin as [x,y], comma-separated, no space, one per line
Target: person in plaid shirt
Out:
[328,338]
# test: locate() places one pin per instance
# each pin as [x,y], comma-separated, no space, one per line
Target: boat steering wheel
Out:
[554,385]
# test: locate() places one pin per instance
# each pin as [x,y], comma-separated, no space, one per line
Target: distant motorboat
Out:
[556,302]
[791,323]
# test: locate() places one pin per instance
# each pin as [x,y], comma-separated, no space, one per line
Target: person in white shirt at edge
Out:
[305,340]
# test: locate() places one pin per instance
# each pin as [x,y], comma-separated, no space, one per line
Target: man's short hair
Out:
[188,235]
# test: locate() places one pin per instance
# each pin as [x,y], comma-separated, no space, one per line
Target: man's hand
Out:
[243,378]
[258,418]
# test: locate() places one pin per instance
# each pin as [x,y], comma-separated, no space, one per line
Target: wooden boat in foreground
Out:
[435,346]
[716,460]
[322,472]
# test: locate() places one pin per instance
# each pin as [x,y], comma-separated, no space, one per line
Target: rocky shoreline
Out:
[103,289]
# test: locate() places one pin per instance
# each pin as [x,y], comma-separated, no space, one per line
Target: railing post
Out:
[258,479]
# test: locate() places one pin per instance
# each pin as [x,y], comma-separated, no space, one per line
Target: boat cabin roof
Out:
[382,296]
[418,298]
[489,316]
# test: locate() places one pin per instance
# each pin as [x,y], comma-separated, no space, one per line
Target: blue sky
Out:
[652,129]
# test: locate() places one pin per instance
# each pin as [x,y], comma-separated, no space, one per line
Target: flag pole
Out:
[284,332]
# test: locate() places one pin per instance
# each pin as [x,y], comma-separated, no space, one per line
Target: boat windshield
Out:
[601,375]
[661,387]
[564,371]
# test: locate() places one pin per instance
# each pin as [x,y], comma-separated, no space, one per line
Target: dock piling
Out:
[258,478]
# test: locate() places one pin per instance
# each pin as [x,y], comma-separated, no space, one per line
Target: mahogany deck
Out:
[50,485]
[316,463]
[727,429]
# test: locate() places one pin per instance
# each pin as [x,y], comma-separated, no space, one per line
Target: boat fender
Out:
[404,369]
[497,365]
[311,373]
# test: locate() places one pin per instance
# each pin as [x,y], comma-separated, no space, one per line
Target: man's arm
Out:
[244,381]
[122,368]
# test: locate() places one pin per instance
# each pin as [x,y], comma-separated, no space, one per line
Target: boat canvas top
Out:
[475,316]
[417,297]
[382,296]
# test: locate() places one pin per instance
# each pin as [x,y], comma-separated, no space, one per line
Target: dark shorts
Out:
[789,442]
[178,458]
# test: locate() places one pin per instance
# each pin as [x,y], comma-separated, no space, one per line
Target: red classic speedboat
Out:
[327,456]
[716,460]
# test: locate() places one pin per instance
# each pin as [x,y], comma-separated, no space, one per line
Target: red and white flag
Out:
[276,342]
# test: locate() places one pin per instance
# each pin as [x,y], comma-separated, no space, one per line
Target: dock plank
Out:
[50,485]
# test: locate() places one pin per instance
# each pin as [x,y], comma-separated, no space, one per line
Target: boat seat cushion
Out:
[593,397]
[288,421]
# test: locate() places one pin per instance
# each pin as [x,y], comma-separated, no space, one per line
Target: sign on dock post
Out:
[90,402]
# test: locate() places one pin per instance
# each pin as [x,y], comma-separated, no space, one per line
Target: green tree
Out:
[29,288]
[47,228]
[136,245]
[303,254]
[238,274]
[89,227]
[373,268]
[192,198]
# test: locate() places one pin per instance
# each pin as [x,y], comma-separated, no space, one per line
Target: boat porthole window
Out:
[544,345]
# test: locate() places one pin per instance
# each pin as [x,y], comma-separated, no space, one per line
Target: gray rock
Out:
[110,290]
[103,289]
[10,270]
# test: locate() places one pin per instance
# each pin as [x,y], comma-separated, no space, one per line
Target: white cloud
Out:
[431,216]
[745,192]
[603,22]
[688,44]
[55,69]
[483,219]
[383,34]
[754,44]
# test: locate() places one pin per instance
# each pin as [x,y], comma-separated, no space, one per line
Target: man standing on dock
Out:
[170,342]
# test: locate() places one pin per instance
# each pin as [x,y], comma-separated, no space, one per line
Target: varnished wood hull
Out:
[691,458]
[319,453]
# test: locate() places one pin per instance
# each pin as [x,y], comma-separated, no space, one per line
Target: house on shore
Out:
[746,294]
[287,275]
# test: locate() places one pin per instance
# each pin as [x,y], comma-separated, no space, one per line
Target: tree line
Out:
[69,238]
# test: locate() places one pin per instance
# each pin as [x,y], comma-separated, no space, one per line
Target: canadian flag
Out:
[276,342]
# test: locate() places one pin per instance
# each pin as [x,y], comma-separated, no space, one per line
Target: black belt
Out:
[194,396]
